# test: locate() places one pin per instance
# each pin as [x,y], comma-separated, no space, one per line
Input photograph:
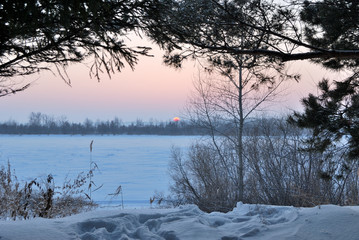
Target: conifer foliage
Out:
[333,115]
[36,35]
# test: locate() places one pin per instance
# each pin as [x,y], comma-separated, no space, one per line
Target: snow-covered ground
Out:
[188,222]
[139,163]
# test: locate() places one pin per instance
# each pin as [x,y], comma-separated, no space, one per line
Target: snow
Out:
[188,222]
[139,163]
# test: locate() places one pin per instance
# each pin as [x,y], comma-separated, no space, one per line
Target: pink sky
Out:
[153,90]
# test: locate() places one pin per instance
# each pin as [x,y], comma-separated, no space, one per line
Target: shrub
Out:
[280,169]
[41,198]
[200,178]
[284,169]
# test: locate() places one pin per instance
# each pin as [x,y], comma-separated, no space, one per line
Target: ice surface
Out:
[188,222]
[138,163]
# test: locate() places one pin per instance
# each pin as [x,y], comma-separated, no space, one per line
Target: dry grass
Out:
[40,197]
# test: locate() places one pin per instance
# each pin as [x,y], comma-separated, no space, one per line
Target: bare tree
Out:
[222,102]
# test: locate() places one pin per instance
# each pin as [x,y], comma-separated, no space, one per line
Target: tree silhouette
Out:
[333,115]
[37,35]
[275,32]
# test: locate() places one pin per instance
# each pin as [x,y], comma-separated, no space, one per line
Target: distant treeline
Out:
[39,123]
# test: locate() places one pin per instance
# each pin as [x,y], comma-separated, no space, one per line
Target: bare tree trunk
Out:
[240,137]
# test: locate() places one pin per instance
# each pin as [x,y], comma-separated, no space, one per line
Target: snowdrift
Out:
[188,222]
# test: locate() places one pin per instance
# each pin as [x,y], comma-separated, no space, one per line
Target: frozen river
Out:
[138,163]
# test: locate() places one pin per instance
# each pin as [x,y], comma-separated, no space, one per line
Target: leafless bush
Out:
[201,178]
[284,170]
[41,198]
[280,169]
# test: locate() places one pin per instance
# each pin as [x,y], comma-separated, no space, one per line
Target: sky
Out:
[152,91]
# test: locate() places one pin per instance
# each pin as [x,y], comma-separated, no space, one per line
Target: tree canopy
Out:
[333,25]
[270,31]
[38,34]
[333,115]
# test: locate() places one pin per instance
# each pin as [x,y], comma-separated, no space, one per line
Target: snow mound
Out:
[188,222]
